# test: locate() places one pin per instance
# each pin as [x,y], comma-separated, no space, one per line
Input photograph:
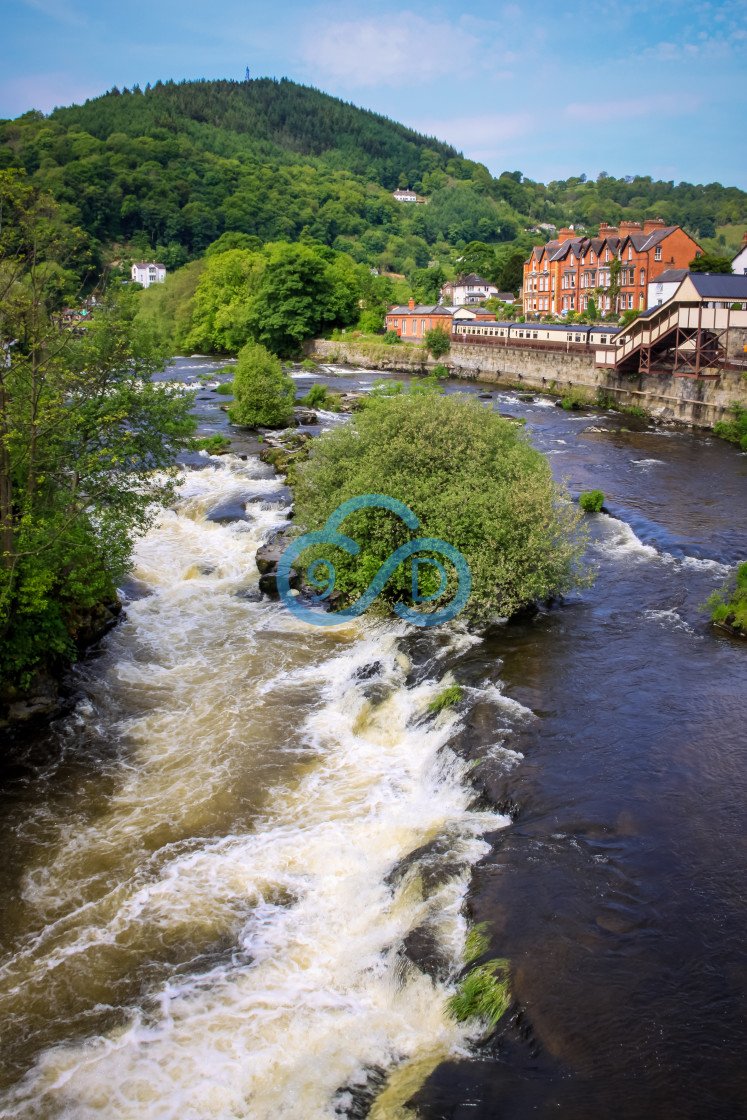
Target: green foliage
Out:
[88,439]
[316,396]
[309,364]
[441,372]
[709,262]
[591,501]
[510,275]
[263,394]
[604,399]
[213,444]
[576,398]
[635,410]
[446,699]
[728,605]
[391,338]
[735,431]
[484,992]
[471,477]
[225,389]
[629,316]
[438,341]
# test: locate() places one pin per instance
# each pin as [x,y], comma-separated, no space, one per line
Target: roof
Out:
[670,276]
[421,309]
[569,328]
[719,285]
[472,278]
[147,264]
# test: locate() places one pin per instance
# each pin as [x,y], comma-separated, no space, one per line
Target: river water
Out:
[239,875]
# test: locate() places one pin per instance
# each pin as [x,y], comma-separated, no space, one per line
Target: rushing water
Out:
[236,876]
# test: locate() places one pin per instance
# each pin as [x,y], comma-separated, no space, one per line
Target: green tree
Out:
[220,305]
[437,341]
[263,394]
[87,440]
[511,274]
[472,478]
[709,262]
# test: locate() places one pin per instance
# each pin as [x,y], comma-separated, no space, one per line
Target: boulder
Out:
[227,512]
[268,582]
[306,416]
[249,594]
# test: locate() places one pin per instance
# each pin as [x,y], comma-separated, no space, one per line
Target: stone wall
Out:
[701,403]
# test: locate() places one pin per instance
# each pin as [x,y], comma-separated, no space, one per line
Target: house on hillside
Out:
[148,272]
[405,195]
[411,322]
[566,273]
[739,264]
[467,289]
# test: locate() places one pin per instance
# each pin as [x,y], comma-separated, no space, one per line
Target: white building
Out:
[468,289]
[739,264]
[664,286]
[147,273]
[405,195]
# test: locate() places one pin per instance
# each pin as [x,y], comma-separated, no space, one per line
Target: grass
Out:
[484,993]
[591,501]
[446,699]
[576,398]
[225,389]
[728,606]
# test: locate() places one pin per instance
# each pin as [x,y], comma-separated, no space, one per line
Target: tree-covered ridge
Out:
[167,170]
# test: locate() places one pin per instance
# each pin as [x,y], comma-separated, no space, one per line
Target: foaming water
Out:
[215,932]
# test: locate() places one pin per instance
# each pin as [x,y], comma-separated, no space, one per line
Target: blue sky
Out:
[551,89]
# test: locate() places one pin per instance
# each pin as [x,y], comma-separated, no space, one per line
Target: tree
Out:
[473,480]
[710,263]
[511,274]
[437,341]
[613,288]
[263,394]
[87,439]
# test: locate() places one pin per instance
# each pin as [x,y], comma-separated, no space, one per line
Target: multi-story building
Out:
[467,289]
[566,273]
[147,273]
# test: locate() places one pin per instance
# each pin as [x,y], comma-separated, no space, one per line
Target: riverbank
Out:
[700,404]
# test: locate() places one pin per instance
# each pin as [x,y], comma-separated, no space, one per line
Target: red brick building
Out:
[566,273]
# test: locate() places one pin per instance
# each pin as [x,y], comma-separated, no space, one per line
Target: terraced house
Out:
[566,273]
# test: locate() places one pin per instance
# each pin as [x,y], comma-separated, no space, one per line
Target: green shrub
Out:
[484,993]
[316,396]
[604,400]
[309,364]
[263,394]
[225,389]
[441,372]
[735,431]
[437,341]
[446,699]
[576,398]
[591,501]
[472,478]
[391,337]
[728,605]
[635,410]
[213,444]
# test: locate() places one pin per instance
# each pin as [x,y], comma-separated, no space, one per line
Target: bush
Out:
[263,393]
[576,398]
[735,431]
[225,389]
[213,444]
[316,396]
[308,364]
[472,478]
[591,501]
[728,606]
[391,337]
[446,699]
[441,372]
[437,341]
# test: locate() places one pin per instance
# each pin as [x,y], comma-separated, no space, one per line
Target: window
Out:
[643,276]
[606,254]
[657,253]
[422,326]
[630,252]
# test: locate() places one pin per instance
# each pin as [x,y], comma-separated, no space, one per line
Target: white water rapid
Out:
[210,932]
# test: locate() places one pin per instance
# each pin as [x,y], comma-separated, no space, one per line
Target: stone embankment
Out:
[667,398]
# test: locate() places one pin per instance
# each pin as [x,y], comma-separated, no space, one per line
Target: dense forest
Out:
[166,170]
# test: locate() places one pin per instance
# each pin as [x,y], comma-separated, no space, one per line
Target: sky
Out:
[551,89]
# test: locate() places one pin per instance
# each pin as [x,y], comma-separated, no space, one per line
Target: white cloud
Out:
[405,50]
[598,112]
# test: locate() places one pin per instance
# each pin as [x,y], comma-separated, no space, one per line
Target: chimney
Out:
[411,304]
[744,240]
[629,227]
[565,234]
[650,224]
[607,231]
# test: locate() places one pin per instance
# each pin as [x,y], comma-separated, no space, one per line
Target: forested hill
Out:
[167,170]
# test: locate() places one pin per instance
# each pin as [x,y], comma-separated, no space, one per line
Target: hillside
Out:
[167,170]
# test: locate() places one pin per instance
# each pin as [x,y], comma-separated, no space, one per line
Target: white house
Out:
[405,196]
[664,286]
[468,289]
[147,273]
[739,264]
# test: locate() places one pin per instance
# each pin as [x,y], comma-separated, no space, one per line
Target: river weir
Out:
[240,874]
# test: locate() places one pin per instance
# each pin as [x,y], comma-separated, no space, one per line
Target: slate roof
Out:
[421,309]
[671,276]
[720,285]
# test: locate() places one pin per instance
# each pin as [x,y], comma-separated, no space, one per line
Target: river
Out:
[239,874]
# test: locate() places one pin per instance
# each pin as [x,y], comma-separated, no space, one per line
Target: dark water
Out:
[618,893]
